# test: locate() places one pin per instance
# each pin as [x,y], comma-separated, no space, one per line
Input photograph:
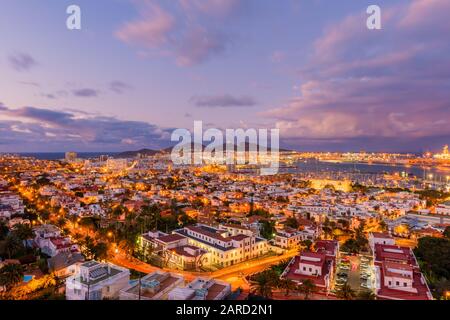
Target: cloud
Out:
[389,87]
[199,46]
[151,29]
[22,62]
[278,56]
[217,8]
[30,83]
[119,87]
[51,130]
[85,93]
[225,100]
[191,32]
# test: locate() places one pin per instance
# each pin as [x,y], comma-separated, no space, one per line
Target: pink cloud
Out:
[193,37]
[361,84]
[152,29]
[219,8]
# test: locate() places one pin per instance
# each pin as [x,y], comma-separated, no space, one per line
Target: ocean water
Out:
[439,174]
[61,155]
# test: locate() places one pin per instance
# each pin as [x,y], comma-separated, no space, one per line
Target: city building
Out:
[223,248]
[380,238]
[154,286]
[201,289]
[71,156]
[49,240]
[97,281]
[328,247]
[116,164]
[289,238]
[313,266]
[397,274]
[443,208]
[171,250]
[65,264]
[444,155]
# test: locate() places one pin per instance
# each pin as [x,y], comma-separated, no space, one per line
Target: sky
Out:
[138,69]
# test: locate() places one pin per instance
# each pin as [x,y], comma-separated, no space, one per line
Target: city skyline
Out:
[137,70]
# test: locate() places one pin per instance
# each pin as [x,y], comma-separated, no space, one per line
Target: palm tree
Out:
[366,295]
[13,245]
[4,230]
[307,288]
[346,292]
[61,222]
[10,275]
[23,231]
[263,283]
[287,285]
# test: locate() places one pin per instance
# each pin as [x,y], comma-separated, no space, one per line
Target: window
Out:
[397,283]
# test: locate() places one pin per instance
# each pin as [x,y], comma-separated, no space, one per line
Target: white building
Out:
[313,266]
[289,238]
[443,208]
[397,274]
[154,286]
[117,164]
[224,249]
[48,238]
[97,281]
[202,289]
[380,238]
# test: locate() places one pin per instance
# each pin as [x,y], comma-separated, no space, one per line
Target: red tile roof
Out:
[170,238]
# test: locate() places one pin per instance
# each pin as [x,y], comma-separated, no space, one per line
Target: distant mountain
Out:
[133,154]
[169,149]
[246,147]
[150,152]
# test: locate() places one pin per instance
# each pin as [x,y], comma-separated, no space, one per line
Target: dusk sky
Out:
[140,68]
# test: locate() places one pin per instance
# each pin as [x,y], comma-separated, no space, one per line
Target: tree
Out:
[23,231]
[327,231]
[280,267]
[267,229]
[13,246]
[4,230]
[350,246]
[304,184]
[308,287]
[292,223]
[263,283]
[383,226]
[346,292]
[307,244]
[10,275]
[434,256]
[287,285]
[100,251]
[61,222]
[447,232]
[260,212]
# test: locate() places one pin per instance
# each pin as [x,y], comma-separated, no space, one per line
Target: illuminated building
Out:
[445,155]
[71,156]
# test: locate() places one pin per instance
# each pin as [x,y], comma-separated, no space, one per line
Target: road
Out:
[235,275]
